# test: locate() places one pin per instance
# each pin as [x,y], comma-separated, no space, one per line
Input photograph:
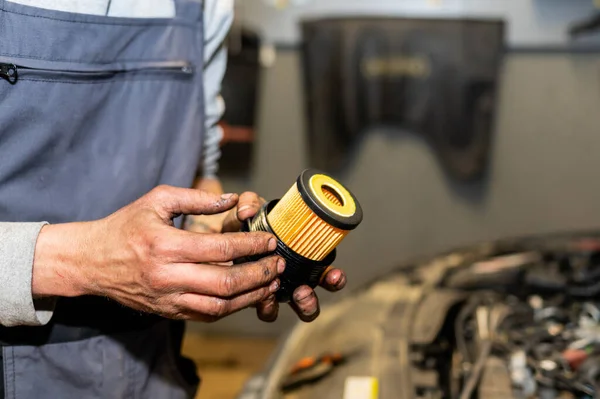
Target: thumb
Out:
[170,202]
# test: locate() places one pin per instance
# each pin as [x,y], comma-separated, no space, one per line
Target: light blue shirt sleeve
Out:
[218,18]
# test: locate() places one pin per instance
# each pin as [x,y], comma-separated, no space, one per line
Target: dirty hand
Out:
[136,257]
[206,223]
[304,300]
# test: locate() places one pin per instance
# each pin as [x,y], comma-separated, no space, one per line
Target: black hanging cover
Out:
[434,77]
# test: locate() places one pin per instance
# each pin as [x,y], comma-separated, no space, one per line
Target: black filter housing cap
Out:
[299,270]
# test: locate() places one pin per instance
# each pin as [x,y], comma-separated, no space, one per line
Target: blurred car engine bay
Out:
[513,319]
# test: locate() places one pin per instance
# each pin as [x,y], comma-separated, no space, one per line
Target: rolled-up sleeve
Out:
[17,250]
[219,17]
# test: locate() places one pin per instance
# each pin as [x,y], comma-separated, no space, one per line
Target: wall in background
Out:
[530,22]
[544,176]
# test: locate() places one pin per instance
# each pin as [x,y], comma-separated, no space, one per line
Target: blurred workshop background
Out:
[540,174]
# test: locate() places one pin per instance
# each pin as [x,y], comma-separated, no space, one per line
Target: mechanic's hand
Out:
[206,223]
[136,257]
[304,300]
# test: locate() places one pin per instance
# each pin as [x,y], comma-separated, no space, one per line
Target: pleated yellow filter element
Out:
[315,215]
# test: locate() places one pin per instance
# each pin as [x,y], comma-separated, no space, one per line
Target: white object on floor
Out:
[361,388]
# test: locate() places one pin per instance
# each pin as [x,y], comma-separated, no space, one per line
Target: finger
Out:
[227,281]
[333,280]
[203,223]
[231,224]
[211,248]
[248,206]
[171,201]
[208,308]
[268,309]
[305,303]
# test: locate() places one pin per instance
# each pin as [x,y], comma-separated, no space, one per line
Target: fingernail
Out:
[303,298]
[274,286]
[280,266]
[227,196]
[272,244]
[312,312]
[243,208]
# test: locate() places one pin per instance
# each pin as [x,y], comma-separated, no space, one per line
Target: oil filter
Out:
[309,221]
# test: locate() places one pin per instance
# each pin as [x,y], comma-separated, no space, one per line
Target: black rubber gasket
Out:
[341,222]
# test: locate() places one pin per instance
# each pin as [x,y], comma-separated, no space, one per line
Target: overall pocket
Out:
[14,69]
[94,137]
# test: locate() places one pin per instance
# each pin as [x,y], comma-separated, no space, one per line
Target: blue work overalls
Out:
[99,110]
